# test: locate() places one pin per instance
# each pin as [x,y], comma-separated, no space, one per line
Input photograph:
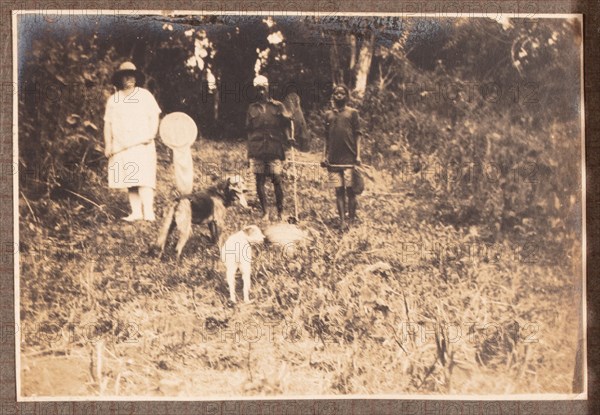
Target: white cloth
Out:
[184,170]
[133,123]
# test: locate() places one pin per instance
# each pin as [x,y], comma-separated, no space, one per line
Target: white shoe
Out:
[132,218]
[150,218]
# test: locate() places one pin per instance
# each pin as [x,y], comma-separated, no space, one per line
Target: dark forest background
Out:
[478,101]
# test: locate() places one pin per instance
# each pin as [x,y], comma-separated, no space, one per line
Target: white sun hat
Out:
[261,80]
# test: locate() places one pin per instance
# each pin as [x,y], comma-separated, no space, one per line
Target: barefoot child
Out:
[342,150]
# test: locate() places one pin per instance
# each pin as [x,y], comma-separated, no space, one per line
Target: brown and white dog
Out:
[208,206]
[236,253]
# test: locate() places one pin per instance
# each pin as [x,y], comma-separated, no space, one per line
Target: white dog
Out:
[236,253]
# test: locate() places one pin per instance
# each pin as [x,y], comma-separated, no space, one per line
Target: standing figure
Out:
[342,150]
[269,136]
[130,126]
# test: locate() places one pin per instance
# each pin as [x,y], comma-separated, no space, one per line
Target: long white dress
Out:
[133,121]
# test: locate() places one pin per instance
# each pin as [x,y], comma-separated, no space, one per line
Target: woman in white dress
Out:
[130,126]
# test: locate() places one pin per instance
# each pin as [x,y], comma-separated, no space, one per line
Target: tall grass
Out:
[398,304]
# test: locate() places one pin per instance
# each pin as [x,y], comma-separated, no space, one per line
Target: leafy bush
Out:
[66,84]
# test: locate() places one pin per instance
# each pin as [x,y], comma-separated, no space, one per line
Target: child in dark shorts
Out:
[342,150]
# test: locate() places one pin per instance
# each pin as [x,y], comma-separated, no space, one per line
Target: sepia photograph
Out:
[220,205]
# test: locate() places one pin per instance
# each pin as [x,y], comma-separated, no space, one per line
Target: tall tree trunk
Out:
[352,43]
[216,99]
[351,39]
[337,74]
[363,66]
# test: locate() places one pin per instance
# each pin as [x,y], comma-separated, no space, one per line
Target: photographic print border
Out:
[318,406]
